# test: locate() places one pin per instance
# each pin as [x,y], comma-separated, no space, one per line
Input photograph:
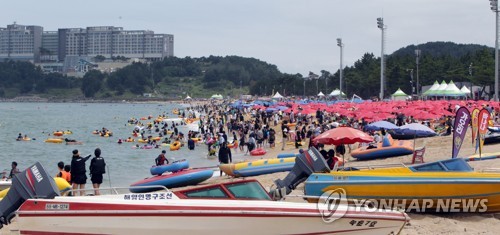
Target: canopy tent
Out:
[452,90]
[465,90]
[336,92]
[321,94]
[439,91]
[277,96]
[188,97]
[433,88]
[399,95]
[217,97]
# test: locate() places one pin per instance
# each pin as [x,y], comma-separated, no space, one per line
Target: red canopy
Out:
[342,135]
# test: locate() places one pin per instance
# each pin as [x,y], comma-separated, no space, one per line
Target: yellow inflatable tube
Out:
[54,140]
[175,146]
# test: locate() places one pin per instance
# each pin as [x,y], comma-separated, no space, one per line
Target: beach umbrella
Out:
[380,124]
[342,135]
[416,128]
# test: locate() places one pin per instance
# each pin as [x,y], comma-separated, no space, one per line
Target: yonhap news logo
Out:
[330,203]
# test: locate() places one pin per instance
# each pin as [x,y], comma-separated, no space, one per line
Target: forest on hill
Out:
[234,75]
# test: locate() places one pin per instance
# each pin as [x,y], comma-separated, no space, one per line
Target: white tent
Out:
[433,88]
[321,94]
[465,90]
[217,97]
[452,90]
[440,89]
[277,96]
[399,95]
[336,92]
[188,97]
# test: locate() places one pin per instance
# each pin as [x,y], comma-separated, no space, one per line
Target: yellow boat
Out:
[436,183]
[259,167]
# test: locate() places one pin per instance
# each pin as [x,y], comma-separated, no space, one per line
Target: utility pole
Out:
[417,54]
[341,45]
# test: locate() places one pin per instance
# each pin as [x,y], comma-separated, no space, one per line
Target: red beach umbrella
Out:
[342,135]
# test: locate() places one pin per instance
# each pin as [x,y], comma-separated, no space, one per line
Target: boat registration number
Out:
[363,223]
[147,196]
[57,206]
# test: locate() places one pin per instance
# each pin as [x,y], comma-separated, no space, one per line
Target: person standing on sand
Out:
[78,177]
[284,131]
[225,156]
[97,169]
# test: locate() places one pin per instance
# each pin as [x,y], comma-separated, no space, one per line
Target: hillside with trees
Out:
[233,75]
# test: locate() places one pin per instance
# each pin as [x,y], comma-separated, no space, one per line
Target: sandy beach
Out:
[437,148]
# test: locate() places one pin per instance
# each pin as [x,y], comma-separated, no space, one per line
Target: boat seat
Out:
[418,155]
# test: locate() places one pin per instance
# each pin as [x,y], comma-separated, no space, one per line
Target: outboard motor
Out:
[308,162]
[34,182]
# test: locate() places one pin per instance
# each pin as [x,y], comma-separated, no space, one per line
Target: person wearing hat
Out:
[161,159]
[78,176]
[97,169]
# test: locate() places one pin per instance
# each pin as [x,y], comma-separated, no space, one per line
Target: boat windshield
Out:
[456,164]
[215,192]
[248,190]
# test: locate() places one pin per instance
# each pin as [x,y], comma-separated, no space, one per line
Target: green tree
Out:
[92,83]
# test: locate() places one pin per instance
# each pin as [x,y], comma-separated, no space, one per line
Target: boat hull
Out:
[173,180]
[197,217]
[426,186]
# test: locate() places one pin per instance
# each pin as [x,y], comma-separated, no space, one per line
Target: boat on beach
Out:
[172,180]
[441,180]
[242,206]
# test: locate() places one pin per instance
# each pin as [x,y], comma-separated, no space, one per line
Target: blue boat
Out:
[172,180]
[172,167]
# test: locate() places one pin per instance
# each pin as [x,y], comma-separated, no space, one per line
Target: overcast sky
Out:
[296,35]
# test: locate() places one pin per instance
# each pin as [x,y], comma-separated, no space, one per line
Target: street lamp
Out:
[494,8]
[381,26]
[341,45]
[417,54]
[411,81]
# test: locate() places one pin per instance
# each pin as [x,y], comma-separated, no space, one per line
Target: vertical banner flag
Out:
[462,120]
[475,115]
[483,119]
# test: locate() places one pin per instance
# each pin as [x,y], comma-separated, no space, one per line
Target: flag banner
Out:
[462,120]
[475,115]
[483,119]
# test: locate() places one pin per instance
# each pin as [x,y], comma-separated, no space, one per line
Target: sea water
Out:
[125,164]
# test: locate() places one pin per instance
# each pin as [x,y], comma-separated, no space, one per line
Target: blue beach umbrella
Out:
[380,124]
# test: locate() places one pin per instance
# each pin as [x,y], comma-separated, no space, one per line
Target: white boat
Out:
[242,207]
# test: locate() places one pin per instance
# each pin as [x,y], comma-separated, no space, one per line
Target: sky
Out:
[297,36]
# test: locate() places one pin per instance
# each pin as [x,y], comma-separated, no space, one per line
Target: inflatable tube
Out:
[173,180]
[58,133]
[196,139]
[259,167]
[291,124]
[129,140]
[172,167]
[285,155]
[26,139]
[175,146]
[4,192]
[54,140]
[147,146]
[156,138]
[68,132]
[142,141]
[74,143]
[258,152]
[393,148]
[233,145]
